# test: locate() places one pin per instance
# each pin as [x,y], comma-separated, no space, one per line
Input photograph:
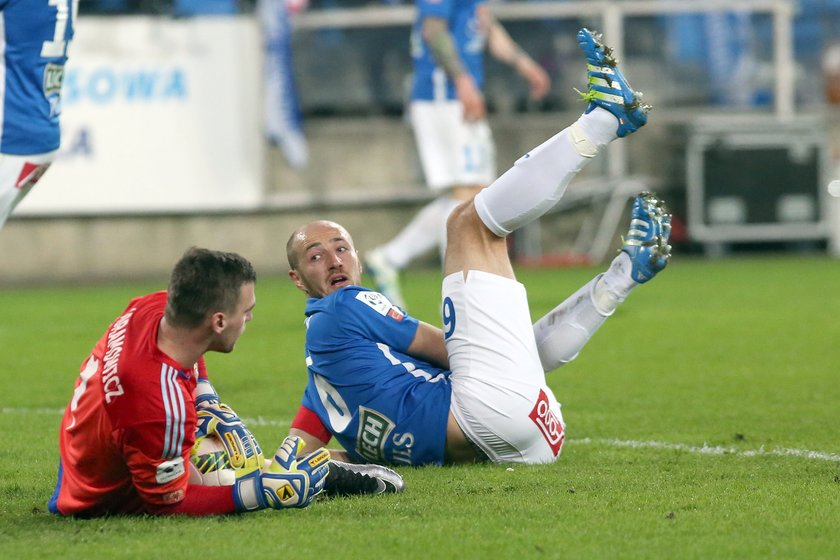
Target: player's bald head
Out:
[300,238]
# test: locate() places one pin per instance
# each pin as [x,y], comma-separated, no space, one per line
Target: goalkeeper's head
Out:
[213,289]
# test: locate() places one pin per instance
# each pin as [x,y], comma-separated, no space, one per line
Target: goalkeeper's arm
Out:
[287,482]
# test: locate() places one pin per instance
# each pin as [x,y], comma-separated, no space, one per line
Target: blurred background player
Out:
[34,38]
[448,115]
[396,390]
[126,436]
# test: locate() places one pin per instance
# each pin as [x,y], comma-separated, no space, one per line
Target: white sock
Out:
[425,231]
[563,332]
[614,285]
[538,179]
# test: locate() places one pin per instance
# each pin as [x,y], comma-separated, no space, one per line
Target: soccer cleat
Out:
[349,479]
[607,87]
[647,239]
[386,278]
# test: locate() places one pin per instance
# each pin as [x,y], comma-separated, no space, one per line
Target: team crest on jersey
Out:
[381,305]
[549,425]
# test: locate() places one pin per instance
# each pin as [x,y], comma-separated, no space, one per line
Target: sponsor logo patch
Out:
[548,423]
[30,174]
[173,497]
[169,471]
[380,304]
[53,78]
[236,457]
[373,432]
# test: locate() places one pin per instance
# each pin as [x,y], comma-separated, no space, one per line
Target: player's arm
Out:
[428,345]
[502,46]
[435,31]
[309,428]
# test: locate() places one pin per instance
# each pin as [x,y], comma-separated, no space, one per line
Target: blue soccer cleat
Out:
[386,278]
[607,87]
[647,239]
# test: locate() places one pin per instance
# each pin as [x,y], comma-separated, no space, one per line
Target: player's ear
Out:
[293,274]
[218,321]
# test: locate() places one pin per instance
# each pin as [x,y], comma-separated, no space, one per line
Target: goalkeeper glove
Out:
[287,482]
[213,416]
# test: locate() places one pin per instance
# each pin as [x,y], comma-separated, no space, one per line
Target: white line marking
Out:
[712,449]
[609,442]
[26,410]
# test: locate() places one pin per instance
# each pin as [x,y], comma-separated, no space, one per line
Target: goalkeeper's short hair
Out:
[204,281]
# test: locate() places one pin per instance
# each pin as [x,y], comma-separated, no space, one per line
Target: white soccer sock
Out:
[563,332]
[425,231]
[614,285]
[538,179]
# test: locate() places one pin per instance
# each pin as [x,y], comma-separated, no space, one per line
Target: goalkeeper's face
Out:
[230,326]
[325,259]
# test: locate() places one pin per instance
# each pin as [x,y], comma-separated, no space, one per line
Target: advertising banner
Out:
[159,115]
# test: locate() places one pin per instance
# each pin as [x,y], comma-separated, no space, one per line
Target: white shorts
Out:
[499,395]
[18,174]
[452,151]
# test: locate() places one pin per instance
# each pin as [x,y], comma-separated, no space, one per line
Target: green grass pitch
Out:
[703,421]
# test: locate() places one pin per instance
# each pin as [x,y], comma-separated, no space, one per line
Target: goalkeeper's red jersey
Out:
[126,434]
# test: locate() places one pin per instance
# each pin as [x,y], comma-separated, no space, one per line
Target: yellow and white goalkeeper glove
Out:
[288,481]
[215,417]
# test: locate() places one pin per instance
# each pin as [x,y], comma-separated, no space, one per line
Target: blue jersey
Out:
[34,35]
[380,404]
[430,81]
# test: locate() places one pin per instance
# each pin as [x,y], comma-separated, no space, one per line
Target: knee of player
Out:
[463,218]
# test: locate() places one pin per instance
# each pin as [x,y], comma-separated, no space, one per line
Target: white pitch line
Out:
[611,442]
[27,410]
[713,449]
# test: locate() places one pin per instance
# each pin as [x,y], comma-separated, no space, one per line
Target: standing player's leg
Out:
[18,175]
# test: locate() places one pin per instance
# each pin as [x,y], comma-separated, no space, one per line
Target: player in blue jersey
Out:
[448,115]
[34,36]
[395,390]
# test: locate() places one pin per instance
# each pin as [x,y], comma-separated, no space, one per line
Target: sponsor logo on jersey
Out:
[170,470]
[173,497]
[373,432]
[53,79]
[116,338]
[381,305]
[548,423]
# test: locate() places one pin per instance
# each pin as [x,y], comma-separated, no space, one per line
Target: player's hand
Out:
[288,481]
[242,447]
[471,98]
[537,78]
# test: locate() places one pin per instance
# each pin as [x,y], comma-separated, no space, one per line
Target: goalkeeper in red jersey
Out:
[126,435]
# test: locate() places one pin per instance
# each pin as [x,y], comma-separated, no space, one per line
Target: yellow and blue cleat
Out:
[646,241]
[608,88]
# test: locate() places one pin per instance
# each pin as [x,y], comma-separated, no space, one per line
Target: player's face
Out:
[326,260]
[235,321]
